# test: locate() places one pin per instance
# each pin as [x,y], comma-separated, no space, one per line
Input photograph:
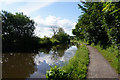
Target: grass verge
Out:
[77,66]
[75,69]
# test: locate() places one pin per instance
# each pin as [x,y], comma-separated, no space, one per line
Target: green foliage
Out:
[111,54]
[75,69]
[58,38]
[112,21]
[77,66]
[56,73]
[16,25]
[17,31]
[54,41]
[45,41]
[61,36]
[99,23]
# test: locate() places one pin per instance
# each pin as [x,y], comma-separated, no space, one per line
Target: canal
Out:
[35,65]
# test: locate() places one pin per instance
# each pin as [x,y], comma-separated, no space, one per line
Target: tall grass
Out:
[111,54]
[77,66]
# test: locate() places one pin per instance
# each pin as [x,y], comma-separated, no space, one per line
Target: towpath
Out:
[99,67]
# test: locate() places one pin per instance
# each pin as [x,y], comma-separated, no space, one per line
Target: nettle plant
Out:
[56,73]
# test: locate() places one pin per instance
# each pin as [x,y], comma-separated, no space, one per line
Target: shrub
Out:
[56,73]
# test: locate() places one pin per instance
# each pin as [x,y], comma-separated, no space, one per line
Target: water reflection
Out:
[58,55]
[19,65]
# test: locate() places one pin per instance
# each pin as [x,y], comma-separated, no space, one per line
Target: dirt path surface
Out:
[99,67]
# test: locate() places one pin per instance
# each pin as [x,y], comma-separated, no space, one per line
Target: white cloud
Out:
[44,25]
[43,28]
[49,59]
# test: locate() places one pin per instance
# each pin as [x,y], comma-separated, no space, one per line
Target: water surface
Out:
[35,65]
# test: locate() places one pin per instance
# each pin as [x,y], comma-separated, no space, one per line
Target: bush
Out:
[45,41]
[56,73]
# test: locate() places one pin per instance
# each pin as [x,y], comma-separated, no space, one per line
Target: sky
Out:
[46,14]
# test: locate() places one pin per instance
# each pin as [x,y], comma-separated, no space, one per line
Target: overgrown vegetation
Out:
[99,23]
[75,69]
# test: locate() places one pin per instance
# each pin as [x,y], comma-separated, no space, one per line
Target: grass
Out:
[77,66]
[76,69]
[110,54]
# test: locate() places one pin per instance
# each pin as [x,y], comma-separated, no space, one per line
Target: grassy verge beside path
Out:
[77,66]
[75,69]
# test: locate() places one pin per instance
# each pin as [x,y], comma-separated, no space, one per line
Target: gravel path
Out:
[99,67]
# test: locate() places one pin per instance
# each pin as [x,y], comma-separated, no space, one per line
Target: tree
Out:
[61,36]
[17,30]
[111,19]
[17,25]
[89,26]
[99,23]
[61,30]
[54,30]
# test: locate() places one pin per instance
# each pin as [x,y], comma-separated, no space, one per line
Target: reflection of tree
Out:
[57,50]
[45,50]
[60,49]
[17,65]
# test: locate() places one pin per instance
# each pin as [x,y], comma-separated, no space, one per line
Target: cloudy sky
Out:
[46,13]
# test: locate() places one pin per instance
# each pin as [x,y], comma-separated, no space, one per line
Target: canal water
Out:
[35,65]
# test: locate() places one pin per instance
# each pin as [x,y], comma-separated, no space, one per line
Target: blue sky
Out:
[67,10]
[46,14]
